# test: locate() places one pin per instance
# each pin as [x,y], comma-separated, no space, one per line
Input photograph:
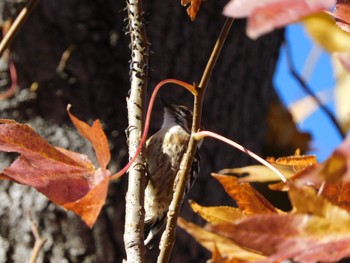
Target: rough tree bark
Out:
[95,81]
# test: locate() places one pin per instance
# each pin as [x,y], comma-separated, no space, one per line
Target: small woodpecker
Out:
[164,151]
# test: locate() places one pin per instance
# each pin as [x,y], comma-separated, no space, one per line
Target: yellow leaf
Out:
[217,214]
[259,173]
[322,28]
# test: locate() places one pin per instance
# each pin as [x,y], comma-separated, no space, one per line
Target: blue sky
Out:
[325,137]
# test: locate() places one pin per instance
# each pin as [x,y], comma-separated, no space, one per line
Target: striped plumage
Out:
[164,151]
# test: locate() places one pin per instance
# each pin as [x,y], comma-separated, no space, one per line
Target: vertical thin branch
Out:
[168,237]
[133,231]
[16,25]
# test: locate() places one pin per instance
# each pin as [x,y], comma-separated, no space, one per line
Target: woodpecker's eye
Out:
[185,112]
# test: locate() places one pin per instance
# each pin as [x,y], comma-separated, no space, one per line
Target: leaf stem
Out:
[200,135]
[168,237]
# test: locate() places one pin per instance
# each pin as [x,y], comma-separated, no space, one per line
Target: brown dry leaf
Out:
[247,198]
[217,214]
[212,242]
[193,8]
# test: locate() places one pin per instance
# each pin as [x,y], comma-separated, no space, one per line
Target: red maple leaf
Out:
[67,178]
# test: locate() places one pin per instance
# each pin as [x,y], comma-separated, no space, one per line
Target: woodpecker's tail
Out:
[152,229]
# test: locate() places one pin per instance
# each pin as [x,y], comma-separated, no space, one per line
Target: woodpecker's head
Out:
[177,115]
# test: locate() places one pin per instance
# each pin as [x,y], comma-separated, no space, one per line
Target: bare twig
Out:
[39,241]
[16,25]
[309,91]
[134,217]
[168,237]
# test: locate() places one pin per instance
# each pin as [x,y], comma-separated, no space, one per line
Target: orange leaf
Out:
[296,161]
[62,176]
[338,194]
[247,198]
[193,8]
[96,136]
[89,207]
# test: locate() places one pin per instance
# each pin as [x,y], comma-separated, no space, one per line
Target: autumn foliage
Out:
[67,178]
[316,229]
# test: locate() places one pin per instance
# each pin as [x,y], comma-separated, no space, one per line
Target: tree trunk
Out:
[95,80]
